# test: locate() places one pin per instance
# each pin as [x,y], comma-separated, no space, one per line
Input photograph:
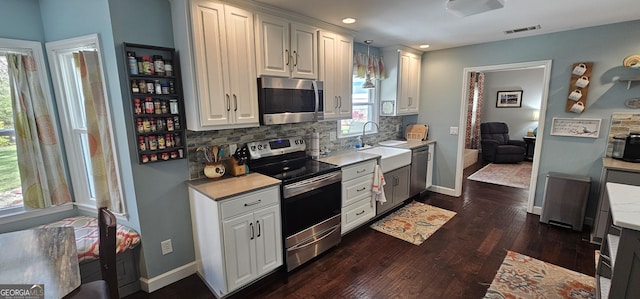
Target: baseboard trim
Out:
[155,283]
[537,210]
[443,190]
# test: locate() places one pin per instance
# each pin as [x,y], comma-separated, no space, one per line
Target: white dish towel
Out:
[377,188]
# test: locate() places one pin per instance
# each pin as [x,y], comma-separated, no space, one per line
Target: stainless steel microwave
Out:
[286,101]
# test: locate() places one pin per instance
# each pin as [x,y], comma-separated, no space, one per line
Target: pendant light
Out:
[368,83]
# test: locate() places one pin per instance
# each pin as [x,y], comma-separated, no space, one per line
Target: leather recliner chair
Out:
[496,145]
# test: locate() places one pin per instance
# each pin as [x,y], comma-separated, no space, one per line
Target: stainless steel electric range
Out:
[310,196]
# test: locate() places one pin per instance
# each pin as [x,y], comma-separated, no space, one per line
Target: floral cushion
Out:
[88,236]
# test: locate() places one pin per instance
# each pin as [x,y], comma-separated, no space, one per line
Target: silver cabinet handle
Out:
[228,102]
[251,226]
[295,56]
[253,203]
[337,103]
[363,188]
[361,171]
[258,222]
[235,102]
[286,52]
[358,214]
[340,101]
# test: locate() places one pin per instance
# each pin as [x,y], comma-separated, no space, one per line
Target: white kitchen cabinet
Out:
[286,49]
[217,45]
[336,71]
[237,240]
[400,90]
[357,207]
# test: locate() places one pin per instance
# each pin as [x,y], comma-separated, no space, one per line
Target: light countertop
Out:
[232,186]
[348,157]
[413,144]
[625,205]
[616,164]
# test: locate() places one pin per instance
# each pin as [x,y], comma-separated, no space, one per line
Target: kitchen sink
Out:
[392,142]
[390,158]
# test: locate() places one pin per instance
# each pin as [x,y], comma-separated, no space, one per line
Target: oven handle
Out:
[311,241]
[296,188]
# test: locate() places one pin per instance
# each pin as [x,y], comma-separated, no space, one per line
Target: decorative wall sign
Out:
[576,127]
[509,99]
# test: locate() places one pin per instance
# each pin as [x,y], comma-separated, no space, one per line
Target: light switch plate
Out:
[453,130]
[166,246]
[332,136]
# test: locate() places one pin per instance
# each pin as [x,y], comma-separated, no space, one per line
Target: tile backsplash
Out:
[223,138]
[622,124]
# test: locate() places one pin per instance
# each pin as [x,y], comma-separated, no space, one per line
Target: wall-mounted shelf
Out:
[629,81]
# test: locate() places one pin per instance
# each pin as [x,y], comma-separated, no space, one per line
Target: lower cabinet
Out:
[357,207]
[237,240]
[396,190]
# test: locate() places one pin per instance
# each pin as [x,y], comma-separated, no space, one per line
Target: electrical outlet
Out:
[166,247]
[397,128]
[232,148]
[332,136]
[453,130]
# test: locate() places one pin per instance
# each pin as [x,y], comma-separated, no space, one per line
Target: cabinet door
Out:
[268,239]
[404,73]
[209,38]
[413,84]
[273,46]
[327,74]
[344,74]
[401,188]
[430,166]
[241,59]
[304,51]
[240,250]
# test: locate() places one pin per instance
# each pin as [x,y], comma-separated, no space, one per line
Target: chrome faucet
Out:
[364,127]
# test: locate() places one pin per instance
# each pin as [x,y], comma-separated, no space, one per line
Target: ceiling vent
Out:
[523,29]
[463,8]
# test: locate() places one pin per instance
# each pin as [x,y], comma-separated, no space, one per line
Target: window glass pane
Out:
[86,156]
[363,101]
[10,188]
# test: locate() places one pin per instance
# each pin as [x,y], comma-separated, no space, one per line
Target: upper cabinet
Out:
[335,70]
[400,91]
[217,42]
[286,49]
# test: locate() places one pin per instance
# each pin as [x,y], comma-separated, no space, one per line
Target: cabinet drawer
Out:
[356,189]
[250,202]
[356,214]
[360,169]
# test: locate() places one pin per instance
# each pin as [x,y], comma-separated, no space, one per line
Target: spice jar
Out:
[144,158]
[153,143]
[156,105]
[148,105]
[173,106]
[163,107]
[161,144]
[158,87]
[150,87]
[158,65]
[132,62]
[146,125]
[137,106]
[152,122]
[169,123]
[168,68]
[140,125]
[154,157]
[142,144]
[134,87]
[147,65]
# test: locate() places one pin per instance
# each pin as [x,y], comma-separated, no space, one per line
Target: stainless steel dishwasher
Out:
[419,163]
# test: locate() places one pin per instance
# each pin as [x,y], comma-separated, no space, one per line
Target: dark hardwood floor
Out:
[458,261]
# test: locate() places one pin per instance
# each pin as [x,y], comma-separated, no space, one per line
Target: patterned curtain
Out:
[103,163]
[363,62]
[474,110]
[43,178]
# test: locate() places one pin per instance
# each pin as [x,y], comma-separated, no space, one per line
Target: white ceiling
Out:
[414,22]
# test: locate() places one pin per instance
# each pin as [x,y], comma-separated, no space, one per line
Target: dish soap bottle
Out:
[358,142]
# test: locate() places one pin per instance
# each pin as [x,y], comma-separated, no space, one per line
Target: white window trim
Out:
[376,116]
[35,49]
[78,173]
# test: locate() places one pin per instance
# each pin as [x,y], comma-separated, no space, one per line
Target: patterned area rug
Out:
[414,222]
[512,175]
[521,276]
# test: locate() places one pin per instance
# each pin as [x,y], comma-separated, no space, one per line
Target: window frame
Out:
[373,102]
[70,133]
[33,48]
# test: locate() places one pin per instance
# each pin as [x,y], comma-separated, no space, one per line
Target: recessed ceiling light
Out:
[423,46]
[348,20]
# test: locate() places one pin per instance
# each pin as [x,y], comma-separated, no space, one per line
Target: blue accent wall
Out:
[20,19]
[606,46]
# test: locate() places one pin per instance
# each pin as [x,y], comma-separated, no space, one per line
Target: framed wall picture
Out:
[509,99]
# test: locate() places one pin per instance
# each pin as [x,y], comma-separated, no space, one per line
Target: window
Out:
[69,87]
[364,109]
[10,188]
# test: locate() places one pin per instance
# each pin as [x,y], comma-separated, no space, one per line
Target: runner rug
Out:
[512,175]
[521,276]
[414,222]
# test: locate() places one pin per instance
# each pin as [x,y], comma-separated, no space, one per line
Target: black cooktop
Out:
[290,168]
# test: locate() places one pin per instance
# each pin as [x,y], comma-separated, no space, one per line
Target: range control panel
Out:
[267,148]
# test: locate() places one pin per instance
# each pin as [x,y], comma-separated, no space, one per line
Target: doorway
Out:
[545,65]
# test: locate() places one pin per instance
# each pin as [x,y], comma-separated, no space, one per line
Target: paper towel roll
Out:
[315,145]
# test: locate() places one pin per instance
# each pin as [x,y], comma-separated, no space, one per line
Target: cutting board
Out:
[416,132]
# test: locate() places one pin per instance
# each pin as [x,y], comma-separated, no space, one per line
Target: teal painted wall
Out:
[606,46]
[20,19]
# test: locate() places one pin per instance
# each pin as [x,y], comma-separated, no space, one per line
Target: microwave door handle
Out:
[314,85]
